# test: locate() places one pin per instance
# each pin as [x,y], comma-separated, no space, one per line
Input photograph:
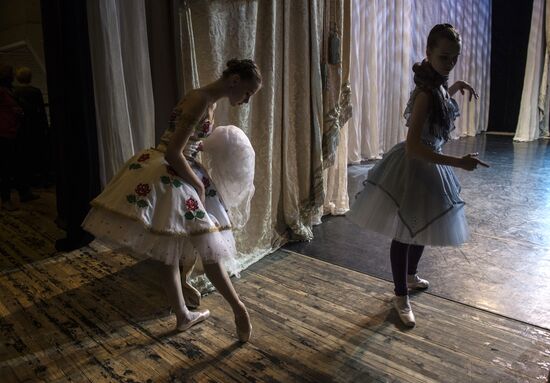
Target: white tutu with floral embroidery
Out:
[149,209]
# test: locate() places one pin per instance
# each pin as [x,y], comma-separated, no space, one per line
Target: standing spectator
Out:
[33,136]
[11,115]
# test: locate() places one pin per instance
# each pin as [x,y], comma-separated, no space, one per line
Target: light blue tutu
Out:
[412,200]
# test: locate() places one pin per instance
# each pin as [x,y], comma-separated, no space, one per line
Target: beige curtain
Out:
[533,115]
[387,37]
[284,121]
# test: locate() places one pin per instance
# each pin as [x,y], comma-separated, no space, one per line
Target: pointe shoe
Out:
[191,296]
[198,316]
[243,333]
[404,310]
[416,283]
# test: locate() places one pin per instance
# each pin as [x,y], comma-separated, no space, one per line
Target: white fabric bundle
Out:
[230,159]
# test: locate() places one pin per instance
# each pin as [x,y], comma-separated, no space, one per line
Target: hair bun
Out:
[245,68]
[232,63]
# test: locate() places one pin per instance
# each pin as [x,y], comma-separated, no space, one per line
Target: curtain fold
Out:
[122,81]
[532,123]
[388,36]
[544,96]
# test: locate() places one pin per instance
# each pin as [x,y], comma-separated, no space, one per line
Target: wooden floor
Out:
[94,317]
[29,234]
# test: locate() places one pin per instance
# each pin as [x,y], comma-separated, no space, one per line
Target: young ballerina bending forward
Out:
[163,203]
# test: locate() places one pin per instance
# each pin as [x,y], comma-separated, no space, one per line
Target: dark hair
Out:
[442,31]
[23,75]
[246,69]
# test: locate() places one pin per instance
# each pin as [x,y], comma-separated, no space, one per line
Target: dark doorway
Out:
[511,23]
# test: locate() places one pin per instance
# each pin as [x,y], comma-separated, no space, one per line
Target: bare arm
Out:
[461,86]
[193,110]
[414,146]
[416,149]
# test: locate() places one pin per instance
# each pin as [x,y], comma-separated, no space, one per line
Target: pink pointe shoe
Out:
[244,327]
[196,317]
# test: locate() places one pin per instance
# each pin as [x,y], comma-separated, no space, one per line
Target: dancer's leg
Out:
[218,276]
[414,254]
[398,258]
[171,278]
[191,295]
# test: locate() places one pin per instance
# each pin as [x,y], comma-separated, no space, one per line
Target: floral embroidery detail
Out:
[204,129]
[144,157]
[176,182]
[170,170]
[198,148]
[142,190]
[136,165]
[191,204]
[193,211]
[207,184]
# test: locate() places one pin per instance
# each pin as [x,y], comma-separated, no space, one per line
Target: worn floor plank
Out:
[89,316]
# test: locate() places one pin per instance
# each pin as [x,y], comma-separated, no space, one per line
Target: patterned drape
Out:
[295,121]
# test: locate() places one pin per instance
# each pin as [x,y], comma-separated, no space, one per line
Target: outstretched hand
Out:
[470,162]
[463,85]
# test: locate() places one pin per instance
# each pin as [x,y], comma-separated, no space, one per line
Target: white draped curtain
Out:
[122,81]
[533,115]
[387,38]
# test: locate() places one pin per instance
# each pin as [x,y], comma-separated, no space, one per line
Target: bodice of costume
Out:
[194,144]
[434,141]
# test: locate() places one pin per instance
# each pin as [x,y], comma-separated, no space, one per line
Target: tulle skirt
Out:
[413,201]
[149,209]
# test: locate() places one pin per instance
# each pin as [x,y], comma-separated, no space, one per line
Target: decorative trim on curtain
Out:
[338,110]
[532,123]
[335,70]
[122,81]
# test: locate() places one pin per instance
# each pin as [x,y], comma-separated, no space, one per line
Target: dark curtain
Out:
[72,112]
[162,58]
[511,23]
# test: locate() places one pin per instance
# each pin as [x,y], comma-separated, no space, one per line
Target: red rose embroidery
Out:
[142,190]
[206,126]
[206,182]
[170,170]
[144,157]
[191,204]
